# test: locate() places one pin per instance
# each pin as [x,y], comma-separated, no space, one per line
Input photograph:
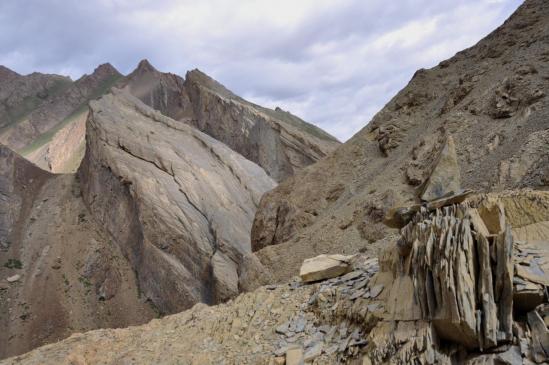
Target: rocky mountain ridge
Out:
[278,141]
[424,239]
[156,219]
[51,134]
[59,118]
[490,98]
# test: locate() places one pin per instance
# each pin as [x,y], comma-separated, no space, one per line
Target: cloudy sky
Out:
[332,62]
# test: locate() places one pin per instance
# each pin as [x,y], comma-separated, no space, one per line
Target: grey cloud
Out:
[327,67]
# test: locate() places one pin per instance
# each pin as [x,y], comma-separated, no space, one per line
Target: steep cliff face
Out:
[157,219]
[179,203]
[64,152]
[59,271]
[490,98]
[276,140]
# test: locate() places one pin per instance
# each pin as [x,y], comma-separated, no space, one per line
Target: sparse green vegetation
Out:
[85,281]
[13,264]
[46,137]
[285,116]
[30,103]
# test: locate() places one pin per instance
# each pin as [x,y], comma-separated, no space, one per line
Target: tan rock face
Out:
[65,150]
[391,154]
[179,203]
[444,180]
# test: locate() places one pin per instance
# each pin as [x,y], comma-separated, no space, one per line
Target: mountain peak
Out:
[145,66]
[6,72]
[106,68]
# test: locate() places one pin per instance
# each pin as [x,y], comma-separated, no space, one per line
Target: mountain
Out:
[276,140]
[372,314]
[164,92]
[69,275]
[46,123]
[491,98]
[422,240]
[51,112]
[156,219]
[19,95]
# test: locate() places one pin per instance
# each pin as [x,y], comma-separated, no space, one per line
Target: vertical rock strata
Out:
[455,276]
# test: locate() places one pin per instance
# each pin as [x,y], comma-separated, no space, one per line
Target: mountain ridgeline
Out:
[424,239]
[43,117]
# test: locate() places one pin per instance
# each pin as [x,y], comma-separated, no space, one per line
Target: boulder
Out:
[13,278]
[325,267]
[294,356]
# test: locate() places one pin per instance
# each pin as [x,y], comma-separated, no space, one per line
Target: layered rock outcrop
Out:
[156,219]
[276,140]
[386,163]
[179,203]
[456,284]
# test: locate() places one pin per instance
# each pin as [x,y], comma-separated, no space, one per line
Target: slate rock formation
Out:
[454,282]
[343,197]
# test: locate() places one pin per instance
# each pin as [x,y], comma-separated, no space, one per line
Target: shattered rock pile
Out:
[462,281]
